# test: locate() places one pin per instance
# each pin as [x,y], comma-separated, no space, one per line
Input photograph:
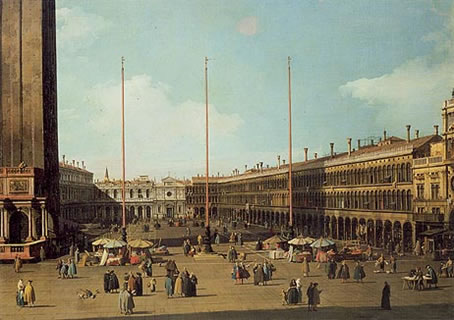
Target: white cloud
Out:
[247,26]
[419,84]
[77,29]
[159,133]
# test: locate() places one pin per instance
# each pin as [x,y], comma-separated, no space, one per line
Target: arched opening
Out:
[18,227]
[387,232]
[327,228]
[407,237]
[148,212]
[362,230]
[334,227]
[370,232]
[309,224]
[379,233]
[354,229]
[397,232]
[140,213]
[348,229]
[321,220]
[340,221]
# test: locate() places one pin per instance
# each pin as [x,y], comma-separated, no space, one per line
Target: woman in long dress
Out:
[72,269]
[344,272]
[359,273]
[29,294]
[385,297]
[20,293]
[179,286]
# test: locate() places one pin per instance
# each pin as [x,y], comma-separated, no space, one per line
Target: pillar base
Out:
[29,239]
[2,240]
[43,238]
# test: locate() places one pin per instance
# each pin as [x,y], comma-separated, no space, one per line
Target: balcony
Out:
[20,183]
[428,217]
[427,161]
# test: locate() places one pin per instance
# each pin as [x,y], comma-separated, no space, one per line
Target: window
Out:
[435,191]
[421,210]
[436,210]
[420,191]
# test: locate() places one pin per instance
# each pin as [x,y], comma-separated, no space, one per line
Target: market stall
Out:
[322,245]
[113,253]
[276,243]
[139,250]
[300,248]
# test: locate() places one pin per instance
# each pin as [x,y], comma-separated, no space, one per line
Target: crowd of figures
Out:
[237,238]
[344,271]
[111,283]
[179,284]
[240,273]
[263,273]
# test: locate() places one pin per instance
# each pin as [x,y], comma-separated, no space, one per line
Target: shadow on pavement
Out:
[424,311]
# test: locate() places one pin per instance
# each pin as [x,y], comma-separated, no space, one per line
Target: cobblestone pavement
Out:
[219,298]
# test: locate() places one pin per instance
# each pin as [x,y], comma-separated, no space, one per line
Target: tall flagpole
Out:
[207,203]
[290,192]
[123,175]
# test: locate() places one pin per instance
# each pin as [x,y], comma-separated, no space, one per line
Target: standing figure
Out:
[139,284]
[359,273]
[42,253]
[59,264]
[299,287]
[29,294]
[76,256]
[344,272]
[193,285]
[20,293]
[152,285]
[126,301]
[114,285]
[385,297]
[417,250]
[432,275]
[381,263]
[168,285]
[306,268]
[132,283]
[106,281]
[393,263]
[72,269]
[17,264]
[316,296]
[179,286]
[310,297]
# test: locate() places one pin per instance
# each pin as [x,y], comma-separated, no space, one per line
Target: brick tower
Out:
[29,174]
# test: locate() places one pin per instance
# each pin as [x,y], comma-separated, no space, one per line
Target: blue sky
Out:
[358,67]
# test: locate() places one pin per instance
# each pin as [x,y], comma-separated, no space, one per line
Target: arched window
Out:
[131,193]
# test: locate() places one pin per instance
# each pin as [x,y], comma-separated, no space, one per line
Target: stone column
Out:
[2,225]
[30,226]
[43,223]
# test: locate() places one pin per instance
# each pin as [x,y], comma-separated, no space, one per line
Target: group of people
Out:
[66,269]
[239,273]
[111,283]
[381,262]
[181,284]
[294,294]
[146,267]
[263,273]
[188,249]
[344,271]
[237,238]
[25,295]
[446,269]
[429,277]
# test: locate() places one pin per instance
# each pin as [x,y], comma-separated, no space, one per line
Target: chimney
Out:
[83,164]
[359,144]
[261,166]
[245,167]
[74,163]
[267,166]
[349,142]
[278,162]
[408,132]
[315,155]
[372,142]
[78,164]
[331,145]
[305,153]
[283,162]
[417,134]
[436,129]
[384,135]
[64,157]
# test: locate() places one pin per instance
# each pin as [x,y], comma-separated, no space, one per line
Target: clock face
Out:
[169,193]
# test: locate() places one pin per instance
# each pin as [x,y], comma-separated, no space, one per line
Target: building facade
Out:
[77,193]
[385,192]
[145,199]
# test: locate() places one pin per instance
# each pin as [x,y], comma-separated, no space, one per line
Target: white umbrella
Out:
[115,244]
[320,243]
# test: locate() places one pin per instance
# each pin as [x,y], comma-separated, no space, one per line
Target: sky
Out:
[358,68]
